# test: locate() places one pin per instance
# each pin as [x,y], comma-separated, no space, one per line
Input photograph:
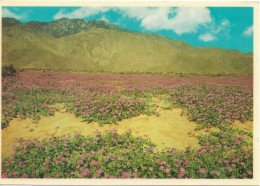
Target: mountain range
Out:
[80,45]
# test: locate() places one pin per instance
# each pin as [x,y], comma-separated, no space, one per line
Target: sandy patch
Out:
[246,126]
[168,130]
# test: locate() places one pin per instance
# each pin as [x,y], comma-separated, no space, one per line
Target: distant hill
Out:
[79,45]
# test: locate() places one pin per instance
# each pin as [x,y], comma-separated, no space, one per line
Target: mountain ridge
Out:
[75,44]
[64,26]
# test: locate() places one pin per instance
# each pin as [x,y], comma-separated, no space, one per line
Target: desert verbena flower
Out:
[202,170]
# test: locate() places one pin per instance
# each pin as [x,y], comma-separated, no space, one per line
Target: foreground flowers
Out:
[116,155]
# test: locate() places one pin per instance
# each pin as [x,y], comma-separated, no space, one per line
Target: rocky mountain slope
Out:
[79,45]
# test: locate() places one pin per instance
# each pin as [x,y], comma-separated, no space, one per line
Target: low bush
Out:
[8,71]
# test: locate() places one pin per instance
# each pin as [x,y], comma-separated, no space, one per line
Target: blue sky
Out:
[225,27]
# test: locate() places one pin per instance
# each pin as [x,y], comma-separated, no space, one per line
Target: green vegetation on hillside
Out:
[98,46]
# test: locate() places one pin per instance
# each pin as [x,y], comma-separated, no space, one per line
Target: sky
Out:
[224,27]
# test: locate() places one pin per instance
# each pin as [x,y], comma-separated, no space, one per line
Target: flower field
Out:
[211,102]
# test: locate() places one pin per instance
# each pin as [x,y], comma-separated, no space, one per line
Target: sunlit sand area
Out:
[170,129]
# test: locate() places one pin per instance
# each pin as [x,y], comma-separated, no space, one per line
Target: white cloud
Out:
[151,18]
[188,19]
[10,14]
[207,37]
[81,12]
[223,26]
[249,31]
[180,20]
[225,22]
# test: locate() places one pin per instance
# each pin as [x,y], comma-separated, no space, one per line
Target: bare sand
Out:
[246,126]
[169,129]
